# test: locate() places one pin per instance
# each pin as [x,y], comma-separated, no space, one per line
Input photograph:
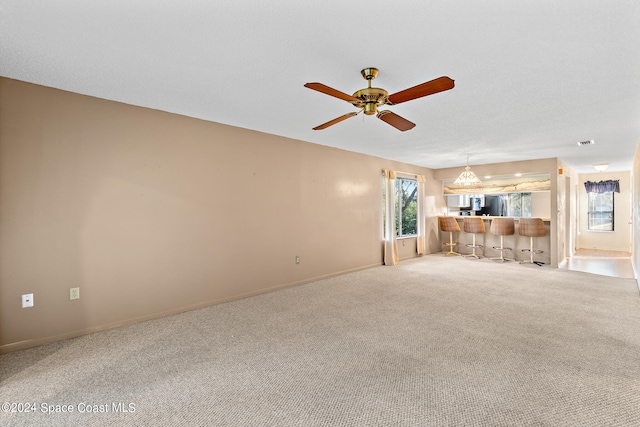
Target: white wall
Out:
[620,238]
[635,211]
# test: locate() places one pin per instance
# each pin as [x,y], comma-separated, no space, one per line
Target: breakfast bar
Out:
[516,242]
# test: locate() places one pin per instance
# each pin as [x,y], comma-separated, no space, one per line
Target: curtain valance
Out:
[602,186]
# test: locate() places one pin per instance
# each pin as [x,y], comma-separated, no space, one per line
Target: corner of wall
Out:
[635,212]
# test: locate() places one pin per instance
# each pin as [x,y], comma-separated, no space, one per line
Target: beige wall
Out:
[540,204]
[567,211]
[151,213]
[620,238]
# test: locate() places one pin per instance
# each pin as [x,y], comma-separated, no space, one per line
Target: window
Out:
[519,205]
[600,214]
[406,207]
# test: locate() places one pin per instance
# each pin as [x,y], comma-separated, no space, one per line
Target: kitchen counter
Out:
[461,217]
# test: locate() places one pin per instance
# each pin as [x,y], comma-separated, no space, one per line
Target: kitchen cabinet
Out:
[458,201]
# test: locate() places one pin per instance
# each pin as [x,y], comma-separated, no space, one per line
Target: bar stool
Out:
[502,227]
[450,225]
[532,227]
[475,225]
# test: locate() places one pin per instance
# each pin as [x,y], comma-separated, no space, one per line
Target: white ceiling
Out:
[532,77]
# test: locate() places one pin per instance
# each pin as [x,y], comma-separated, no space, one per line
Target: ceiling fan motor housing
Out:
[370,98]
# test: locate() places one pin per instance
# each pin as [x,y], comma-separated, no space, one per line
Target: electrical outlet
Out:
[27,300]
[297,259]
[74,293]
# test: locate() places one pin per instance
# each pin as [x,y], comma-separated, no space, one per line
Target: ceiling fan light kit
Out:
[368,100]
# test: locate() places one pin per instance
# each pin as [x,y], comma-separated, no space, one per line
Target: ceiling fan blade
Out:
[429,88]
[331,91]
[334,121]
[395,120]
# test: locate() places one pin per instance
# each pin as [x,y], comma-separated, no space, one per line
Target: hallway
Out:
[605,263]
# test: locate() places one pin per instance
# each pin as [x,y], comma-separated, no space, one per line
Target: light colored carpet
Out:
[432,341]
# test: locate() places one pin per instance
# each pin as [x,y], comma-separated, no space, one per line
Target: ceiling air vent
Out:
[589,142]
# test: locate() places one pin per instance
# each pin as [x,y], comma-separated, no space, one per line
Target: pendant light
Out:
[467,177]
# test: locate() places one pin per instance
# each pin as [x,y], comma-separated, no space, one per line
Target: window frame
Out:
[590,203]
[525,200]
[398,205]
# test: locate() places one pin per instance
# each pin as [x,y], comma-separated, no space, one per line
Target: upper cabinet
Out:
[458,201]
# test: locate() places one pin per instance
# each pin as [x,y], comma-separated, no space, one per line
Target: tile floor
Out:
[605,263]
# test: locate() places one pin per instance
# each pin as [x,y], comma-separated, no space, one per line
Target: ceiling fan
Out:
[370,98]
